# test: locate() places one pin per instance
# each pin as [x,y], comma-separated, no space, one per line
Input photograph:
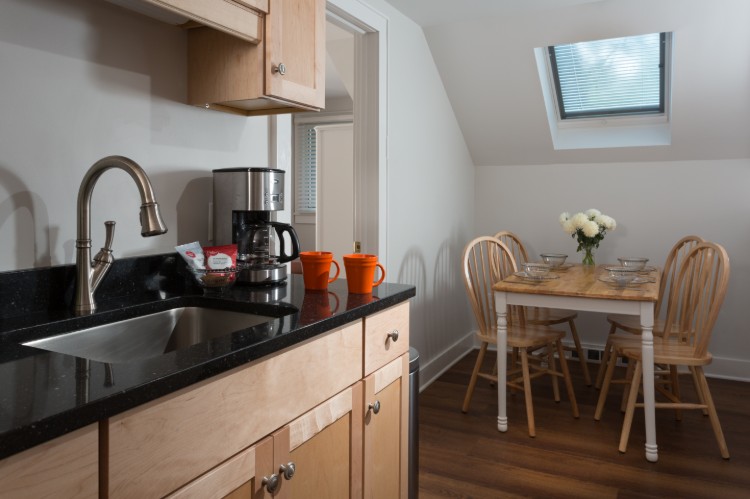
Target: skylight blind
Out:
[610,77]
[306,176]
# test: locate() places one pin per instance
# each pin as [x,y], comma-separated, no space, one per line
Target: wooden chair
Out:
[547,316]
[486,260]
[695,299]
[627,328]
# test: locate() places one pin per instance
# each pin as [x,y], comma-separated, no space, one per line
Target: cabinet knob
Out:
[281,69]
[393,335]
[375,408]
[271,483]
[288,470]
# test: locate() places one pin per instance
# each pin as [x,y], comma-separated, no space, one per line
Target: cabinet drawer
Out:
[158,447]
[380,345]
[64,467]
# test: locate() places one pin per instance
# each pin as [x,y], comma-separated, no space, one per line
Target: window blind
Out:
[610,77]
[305,176]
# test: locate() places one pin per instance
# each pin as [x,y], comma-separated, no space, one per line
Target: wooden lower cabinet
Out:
[64,467]
[386,431]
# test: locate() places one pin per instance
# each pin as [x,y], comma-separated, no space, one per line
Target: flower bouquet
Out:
[588,228]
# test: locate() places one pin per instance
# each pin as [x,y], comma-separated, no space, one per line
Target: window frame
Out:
[665,61]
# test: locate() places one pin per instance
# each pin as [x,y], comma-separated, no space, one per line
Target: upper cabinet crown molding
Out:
[240,18]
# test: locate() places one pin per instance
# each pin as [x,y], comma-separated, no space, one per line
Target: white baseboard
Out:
[432,370]
[721,367]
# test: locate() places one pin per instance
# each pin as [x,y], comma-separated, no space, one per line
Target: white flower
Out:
[592,213]
[569,227]
[564,216]
[590,228]
[606,222]
[578,220]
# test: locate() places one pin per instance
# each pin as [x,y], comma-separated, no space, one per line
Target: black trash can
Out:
[413,468]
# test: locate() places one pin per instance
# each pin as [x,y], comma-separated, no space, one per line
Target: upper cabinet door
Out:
[295,51]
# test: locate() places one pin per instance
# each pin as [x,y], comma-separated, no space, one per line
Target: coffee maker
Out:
[245,202]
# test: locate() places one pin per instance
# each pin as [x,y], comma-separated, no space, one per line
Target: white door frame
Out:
[370,119]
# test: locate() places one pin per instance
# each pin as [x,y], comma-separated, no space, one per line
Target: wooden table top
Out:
[583,280]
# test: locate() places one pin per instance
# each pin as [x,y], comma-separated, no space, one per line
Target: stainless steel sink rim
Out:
[149,335]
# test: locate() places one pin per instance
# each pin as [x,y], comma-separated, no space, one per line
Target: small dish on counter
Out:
[215,280]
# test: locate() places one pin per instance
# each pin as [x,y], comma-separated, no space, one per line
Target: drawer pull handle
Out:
[271,483]
[375,408]
[393,335]
[288,470]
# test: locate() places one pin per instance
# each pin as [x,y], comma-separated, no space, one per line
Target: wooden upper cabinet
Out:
[284,72]
[240,18]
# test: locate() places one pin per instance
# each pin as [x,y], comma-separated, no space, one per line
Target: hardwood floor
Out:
[464,456]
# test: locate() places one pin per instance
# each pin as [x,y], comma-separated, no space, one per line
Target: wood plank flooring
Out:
[464,456]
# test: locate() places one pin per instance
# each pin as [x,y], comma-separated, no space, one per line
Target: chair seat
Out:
[525,337]
[549,316]
[632,324]
[671,353]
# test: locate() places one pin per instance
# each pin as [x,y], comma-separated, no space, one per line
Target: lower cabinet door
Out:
[319,454]
[239,477]
[385,433]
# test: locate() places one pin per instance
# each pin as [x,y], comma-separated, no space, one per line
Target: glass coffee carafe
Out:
[257,241]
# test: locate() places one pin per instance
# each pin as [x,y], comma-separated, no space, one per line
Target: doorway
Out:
[369,112]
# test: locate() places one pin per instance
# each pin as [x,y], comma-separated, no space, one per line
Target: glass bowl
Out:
[635,262]
[554,260]
[622,276]
[215,280]
[533,269]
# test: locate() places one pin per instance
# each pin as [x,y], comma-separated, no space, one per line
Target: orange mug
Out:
[316,269]
[360,272]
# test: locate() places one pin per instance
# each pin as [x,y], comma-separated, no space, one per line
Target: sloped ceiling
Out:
[484,54]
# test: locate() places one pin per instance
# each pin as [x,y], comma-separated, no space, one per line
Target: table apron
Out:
[609,305]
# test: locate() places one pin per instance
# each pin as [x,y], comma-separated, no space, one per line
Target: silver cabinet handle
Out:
[375,408]
[393,335]
[288,470]
[271,483]
[281,69]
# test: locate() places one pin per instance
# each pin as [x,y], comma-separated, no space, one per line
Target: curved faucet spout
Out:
[89,274]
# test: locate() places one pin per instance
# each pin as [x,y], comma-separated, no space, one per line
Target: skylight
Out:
[614,77]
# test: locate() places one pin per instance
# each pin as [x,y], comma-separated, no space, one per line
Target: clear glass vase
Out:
[588,256]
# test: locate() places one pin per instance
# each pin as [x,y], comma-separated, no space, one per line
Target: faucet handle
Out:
[109,228]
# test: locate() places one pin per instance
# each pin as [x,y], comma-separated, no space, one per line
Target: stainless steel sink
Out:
[149,335]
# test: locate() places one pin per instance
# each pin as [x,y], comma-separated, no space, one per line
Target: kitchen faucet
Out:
[89,274]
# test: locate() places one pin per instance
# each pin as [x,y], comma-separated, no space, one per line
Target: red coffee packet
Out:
[221,257]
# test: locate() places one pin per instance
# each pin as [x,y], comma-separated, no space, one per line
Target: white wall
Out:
[430,196]
[80,80]
[654,204]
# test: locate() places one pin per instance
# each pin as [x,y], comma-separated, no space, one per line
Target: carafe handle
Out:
[280,228]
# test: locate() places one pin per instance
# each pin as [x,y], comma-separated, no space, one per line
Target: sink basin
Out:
[149,335]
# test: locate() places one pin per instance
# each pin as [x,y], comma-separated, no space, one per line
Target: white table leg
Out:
[649,404]
[502,360]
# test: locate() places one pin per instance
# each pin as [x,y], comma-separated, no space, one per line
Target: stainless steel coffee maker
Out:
[245,202]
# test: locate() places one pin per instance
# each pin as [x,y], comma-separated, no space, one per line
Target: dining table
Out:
[584,288]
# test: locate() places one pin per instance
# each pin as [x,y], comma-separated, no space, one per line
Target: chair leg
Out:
[527,392]
[674,382]
[474,376]
[605,354]
[697,384]
[581,355]
[635,384]
[568,380]
[628,376]
[605,386]
[712,415]
[551,366]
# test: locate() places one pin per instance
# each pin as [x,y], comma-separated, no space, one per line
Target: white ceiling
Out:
[484,53]
[435,12]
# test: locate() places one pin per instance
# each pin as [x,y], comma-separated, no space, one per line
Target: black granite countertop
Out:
[44,395]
